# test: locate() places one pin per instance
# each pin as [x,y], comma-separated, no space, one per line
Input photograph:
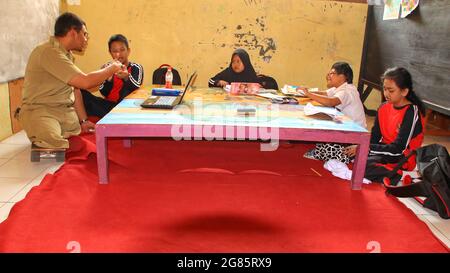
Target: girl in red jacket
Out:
[398,127]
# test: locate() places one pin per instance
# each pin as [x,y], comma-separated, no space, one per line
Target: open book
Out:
[292,90]
[244,88]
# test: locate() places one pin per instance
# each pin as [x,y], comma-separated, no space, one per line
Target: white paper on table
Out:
[265,91]
[310,109]
[291,90]
[270,96]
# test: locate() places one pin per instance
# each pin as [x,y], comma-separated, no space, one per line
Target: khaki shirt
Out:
[49,69]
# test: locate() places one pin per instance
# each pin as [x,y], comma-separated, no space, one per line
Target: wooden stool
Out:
[59,154]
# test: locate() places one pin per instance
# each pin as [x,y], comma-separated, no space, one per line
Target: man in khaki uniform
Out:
[48,113]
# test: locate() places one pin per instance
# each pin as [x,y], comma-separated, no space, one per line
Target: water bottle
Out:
[169,78]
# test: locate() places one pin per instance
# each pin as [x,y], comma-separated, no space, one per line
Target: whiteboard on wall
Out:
[23,25]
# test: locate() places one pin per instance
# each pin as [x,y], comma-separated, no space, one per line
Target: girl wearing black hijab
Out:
[239,70]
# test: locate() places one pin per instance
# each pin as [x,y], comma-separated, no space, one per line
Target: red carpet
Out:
[200,196]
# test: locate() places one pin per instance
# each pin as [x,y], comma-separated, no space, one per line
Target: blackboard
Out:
[23,25]
[420,43]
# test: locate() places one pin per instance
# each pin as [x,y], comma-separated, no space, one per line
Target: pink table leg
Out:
[359,167]
[102,154]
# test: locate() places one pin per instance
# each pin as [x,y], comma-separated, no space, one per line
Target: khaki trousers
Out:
[49,126]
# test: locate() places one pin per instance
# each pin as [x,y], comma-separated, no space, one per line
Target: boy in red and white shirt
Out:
[115,88]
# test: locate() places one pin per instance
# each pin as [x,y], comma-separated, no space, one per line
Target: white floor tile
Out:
[25,154]
[18,138]
[9,187]
[54,167]
[35,182]
[19,196]
[443,225]
[440,227]
[4,210]
[440,234]
[24,168]
[415,206]
[10,150]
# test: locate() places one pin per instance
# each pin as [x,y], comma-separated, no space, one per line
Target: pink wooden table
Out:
[209,107]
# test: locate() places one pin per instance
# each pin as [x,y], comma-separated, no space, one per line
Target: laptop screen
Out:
[190,82]
[168,102]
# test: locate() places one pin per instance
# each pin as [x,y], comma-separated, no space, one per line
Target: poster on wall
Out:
[408,6]
[375,2]
[391,9]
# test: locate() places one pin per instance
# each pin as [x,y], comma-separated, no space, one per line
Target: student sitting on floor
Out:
[343,95]
[239,70]
[398,127]
[116,87]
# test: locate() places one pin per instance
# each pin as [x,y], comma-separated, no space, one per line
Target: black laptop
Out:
[168,102]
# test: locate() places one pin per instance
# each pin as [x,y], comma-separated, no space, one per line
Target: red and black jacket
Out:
[117,89]
[397,131]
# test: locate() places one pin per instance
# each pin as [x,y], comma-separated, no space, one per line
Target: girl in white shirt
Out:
[343,95]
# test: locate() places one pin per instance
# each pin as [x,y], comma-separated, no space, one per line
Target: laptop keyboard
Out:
[165,100]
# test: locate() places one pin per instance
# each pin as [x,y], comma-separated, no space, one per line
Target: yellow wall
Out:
[5,120]
[309,35]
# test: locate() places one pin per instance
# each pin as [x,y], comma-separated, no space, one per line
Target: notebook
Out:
[244,88]
[168,102]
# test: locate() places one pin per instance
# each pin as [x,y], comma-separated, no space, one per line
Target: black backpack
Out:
[159,75]
[433,163]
